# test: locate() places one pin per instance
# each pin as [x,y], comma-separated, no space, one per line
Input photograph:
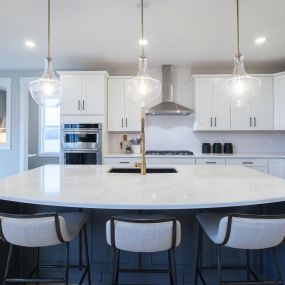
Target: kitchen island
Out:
[103,194]
[94,187]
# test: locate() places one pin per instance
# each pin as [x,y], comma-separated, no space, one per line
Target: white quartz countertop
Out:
[94,187]
[202,155]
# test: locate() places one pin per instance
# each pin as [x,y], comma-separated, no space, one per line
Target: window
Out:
[49,142]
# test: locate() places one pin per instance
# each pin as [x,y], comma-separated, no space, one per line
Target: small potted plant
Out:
[136,145]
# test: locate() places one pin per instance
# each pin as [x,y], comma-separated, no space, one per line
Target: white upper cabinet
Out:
[123,114]
[259,114]
[212,108]
[85,94]
[279,102]
[213,111]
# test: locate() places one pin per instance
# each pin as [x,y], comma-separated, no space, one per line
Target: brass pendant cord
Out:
[238,40]
[49,49]
[142,29]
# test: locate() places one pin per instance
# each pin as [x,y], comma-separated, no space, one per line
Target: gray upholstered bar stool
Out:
[42,230]
[240,231]
[143,234]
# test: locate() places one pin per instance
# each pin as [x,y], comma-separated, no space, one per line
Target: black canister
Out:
[206,148]
[217,148]
[228,148]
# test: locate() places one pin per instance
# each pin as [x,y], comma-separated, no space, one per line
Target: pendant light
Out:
[241,88]
[143,89]
[47,91]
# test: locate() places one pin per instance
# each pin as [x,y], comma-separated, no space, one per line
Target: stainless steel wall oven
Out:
[81,144]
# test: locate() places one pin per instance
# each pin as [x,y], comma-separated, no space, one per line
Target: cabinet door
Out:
[279,102]
[72,99]
[262,106]
[93,93]
[204,104]
[221,106]
[132,121]
[277,167]
[241,118]
[116,104]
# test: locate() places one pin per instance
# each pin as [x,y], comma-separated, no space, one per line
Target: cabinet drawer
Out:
[248,161]
[210,161]
[170,161]
[122,161]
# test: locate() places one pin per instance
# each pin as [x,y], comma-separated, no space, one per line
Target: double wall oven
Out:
[81,144]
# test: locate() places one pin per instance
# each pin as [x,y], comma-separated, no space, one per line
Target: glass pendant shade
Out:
[241,88]
[47,91]
[143,90]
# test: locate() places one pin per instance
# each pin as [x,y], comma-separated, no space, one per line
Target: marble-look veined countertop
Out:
[192,187]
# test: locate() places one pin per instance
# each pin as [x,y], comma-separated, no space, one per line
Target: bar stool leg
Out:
[173,266]
[170,268]
[198,255]
[114,266]
[87,255]
[277,264]
[248,264]
[67,264]
[117,267]
[8,264]
[38,264]
[219,265]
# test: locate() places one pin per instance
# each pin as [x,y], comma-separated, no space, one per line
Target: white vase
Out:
[136,148]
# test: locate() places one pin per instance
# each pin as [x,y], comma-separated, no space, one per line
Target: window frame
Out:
[41,152]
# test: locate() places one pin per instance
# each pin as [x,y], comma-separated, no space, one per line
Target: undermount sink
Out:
[138,170]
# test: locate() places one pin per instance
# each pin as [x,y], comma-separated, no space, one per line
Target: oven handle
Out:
[81,150]
[80,132]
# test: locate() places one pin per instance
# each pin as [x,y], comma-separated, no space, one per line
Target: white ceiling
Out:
[104,33]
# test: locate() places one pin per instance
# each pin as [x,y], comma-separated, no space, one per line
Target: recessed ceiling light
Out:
[260,40]
[143,42]
[30,44]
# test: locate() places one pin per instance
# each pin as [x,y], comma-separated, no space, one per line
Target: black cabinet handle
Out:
[250,122]
[215,121]
[211,121]
[78,105]
[83,105]
[255,121]
[124,162]
[247,162]
[211,162]
[122,122]
[126,122]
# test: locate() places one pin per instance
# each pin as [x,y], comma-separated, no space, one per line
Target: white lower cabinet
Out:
[170,161]
[260,164]
[277,167]
[122,161]
[130,161]
[210,161]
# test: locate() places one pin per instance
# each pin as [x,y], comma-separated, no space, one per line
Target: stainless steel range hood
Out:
[168,106]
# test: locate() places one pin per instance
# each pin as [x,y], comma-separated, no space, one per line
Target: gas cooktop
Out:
[169,152]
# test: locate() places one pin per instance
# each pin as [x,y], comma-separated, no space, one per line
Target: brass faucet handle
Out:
[137,164]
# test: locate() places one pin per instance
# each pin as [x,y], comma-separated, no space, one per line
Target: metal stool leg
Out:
[173,266]
[198,255]
[170,268]
[67,264]
[277,264]
[248,265]
[114,266]
[87,255]
[219,265]
[8,264]
[117,267]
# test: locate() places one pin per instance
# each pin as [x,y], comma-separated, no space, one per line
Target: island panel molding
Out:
[193,187]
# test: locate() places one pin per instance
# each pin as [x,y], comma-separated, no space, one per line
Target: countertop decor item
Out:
[143,90]
[125,145]
[136,145]
[206,148]
[217,148]
[48,90]
[241,87]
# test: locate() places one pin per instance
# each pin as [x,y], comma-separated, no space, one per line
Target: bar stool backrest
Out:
[252,231]
[143,235]
[31,230]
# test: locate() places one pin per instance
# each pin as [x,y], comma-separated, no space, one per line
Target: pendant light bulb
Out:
[241,88]
[143,90]
[47,91]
